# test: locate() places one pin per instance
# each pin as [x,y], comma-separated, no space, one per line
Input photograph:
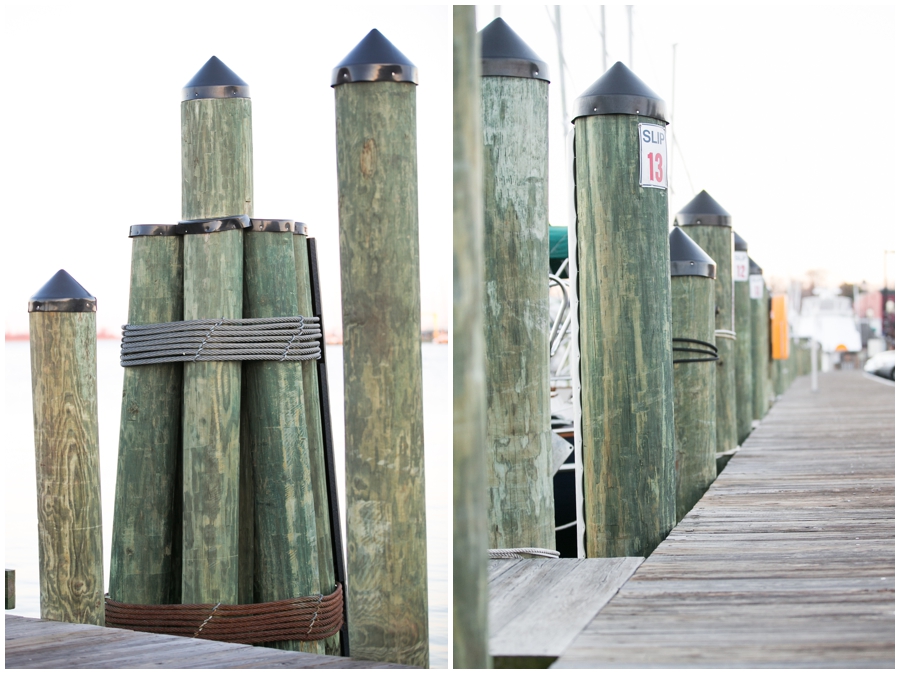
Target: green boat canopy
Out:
[559,248]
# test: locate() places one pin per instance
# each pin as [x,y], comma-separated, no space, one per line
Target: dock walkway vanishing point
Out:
[45,644]
[787,560]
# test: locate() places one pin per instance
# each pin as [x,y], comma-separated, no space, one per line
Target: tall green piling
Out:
[217,180]
[624,316]
[514,101]
[145,559]
[285,542]
[759,336]
[375,107]
[313,409]
[694,355]
[743,346]
[707,223]
[63,335]
[470,529]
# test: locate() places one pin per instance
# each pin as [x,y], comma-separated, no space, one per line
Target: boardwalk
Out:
[41,644]
[787,561]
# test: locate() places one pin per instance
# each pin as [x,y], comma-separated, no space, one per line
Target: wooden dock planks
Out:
[42,644]
[537,606]
[788,559]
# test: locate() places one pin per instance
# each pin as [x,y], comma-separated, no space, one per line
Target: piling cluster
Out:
[225,491]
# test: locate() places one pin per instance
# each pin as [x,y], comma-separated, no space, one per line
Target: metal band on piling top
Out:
[374,59]
[211,225]
[620,92]
[62,293]
[505,54]
[153,230]
[215,80]
[259,225]
[703,210]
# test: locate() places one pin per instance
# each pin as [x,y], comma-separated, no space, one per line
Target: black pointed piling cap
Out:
[505,54]
[754,268]
[739,243]
[620,92]
[62,293]
[215,80]
[375,59]
[687,258]
[703,210]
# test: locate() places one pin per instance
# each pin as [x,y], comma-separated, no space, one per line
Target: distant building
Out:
[829,319]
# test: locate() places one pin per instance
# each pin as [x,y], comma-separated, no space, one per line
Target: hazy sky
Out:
[783,114]
[93,145]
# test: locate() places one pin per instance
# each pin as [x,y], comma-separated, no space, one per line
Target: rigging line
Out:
[683,160]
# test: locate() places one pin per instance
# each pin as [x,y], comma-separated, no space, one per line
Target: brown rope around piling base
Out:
[301,619]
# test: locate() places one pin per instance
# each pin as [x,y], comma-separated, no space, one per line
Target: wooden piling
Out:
[709,225]
[10,593]
[375,102]
[145,557]
[285,542]
[759,335]
[312,407]
[514,101]
[217,180]
[693,330]
[470,530]
[624,320]
[743,345]
[63,335]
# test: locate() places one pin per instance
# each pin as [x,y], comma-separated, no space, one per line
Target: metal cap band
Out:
[505,54]
[153,230]
[215,80]
[620,92]
[62,293]
[271,226]
[211,225]
[374,59]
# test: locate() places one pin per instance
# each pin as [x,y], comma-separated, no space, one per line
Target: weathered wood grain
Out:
[759,354]
[743,361]
[538,606]
[285,542]
[315,438]
[10,589]
[693,317]
[718,242]
[379,245]
[67,460]
[516,306]
[625,342]
[145,557]
[787,561]
[217,180]
[38,644]
[470,529]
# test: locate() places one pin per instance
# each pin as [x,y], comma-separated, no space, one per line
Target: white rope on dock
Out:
[516,553]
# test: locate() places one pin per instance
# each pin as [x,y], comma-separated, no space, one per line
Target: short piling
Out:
[217,181]
[63,335]
[626,423]
[375,102]
[759,340]
[285,542]
[314,429]
[145,557]
[514,101]
[470,528]
[781,343]
[709,225]
[743,346]
[694,356]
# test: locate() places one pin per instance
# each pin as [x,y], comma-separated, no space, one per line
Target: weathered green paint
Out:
[693,317]
[217,180]
[516,307]
[625,342]
[286,553]
[67,461]
[385,456]
[315,439]
[743,361]
[759,351]
[718,242]
[10,593]
[148,498]
[470,530]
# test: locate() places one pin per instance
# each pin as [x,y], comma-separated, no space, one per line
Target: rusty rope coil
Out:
[301,619]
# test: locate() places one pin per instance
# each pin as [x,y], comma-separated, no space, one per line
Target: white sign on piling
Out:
[654,160]
[756,286]
[741,267]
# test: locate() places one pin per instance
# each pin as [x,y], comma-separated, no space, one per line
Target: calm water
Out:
[21,496]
